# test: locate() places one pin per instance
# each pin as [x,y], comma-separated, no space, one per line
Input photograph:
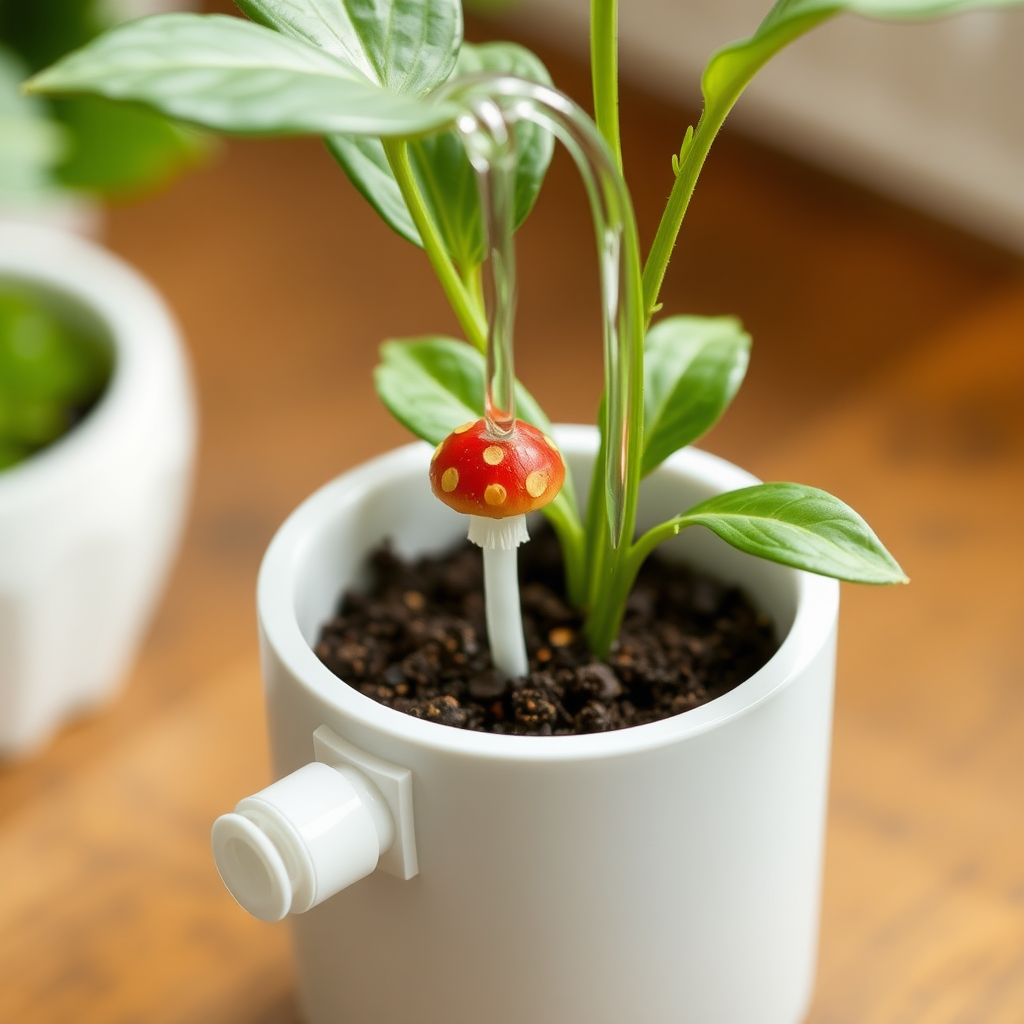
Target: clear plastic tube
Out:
[493,104]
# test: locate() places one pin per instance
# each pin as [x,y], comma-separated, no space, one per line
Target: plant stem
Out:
[472,280]
[675,209]
[608,561]
[604,67]
[562,516]
[605,620]
[717,105]
[463,303]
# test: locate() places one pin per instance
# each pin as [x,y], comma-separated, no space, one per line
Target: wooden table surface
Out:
[888,367]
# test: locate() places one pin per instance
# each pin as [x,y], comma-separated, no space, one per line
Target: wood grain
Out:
[888,368]
[924,903]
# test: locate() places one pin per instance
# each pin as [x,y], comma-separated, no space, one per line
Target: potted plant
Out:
[96,419]
[664,872]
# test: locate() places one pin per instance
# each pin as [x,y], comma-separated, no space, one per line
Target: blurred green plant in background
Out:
[82,144]
[54,363]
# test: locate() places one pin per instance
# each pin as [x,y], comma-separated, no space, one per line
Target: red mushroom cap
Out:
[478,474]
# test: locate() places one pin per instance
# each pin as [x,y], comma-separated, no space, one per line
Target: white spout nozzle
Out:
[301,840]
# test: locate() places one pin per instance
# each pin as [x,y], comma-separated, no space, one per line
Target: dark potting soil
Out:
[416,642]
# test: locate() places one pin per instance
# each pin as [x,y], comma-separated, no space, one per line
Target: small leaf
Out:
[796,525]
[731,68]
[407,46]
[431,385]
[231,75]
[693,367]
[443,172]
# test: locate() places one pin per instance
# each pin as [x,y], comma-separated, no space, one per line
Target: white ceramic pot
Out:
[88,525]
[664,873]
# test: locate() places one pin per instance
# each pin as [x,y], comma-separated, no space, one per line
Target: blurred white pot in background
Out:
[89,525]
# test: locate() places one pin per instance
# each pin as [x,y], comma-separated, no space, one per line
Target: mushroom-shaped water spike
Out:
[496,481]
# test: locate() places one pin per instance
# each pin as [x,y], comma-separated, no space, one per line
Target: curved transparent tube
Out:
[493,103]
[490,146]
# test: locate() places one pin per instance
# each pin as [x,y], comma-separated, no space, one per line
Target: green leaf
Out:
[431,385]
[795,525]
[445,175]
[731,68]
[362,158]
[693,367]
[407,46]
[234,76]
[442,170]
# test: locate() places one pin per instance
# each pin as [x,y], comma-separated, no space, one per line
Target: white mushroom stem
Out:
[500,538]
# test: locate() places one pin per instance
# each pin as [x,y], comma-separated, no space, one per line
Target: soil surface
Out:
[416,641]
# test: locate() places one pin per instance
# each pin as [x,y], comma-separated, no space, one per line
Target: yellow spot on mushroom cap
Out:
[449,480]
[551,444]
[464,427]
[493,455]
[495,494]
[536,483]
[437,451]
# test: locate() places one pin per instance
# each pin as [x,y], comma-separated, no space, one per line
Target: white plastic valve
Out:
[302,839]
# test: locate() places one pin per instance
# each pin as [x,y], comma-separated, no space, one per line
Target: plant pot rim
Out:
[141,330]
[817,605]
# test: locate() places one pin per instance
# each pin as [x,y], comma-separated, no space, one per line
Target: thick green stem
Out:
[649,541]
[472,280]
[604,69]
[608,562]
[569,530]
[463,303]
[606,619]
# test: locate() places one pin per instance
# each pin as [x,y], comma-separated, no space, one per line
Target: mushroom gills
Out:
[501,534]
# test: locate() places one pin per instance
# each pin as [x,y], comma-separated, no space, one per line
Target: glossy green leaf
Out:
[795,525]
[362,158]
[234,76]
[445,176]
[731,68]
[407,46]
[433,384]
[693,367]
[442,170]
